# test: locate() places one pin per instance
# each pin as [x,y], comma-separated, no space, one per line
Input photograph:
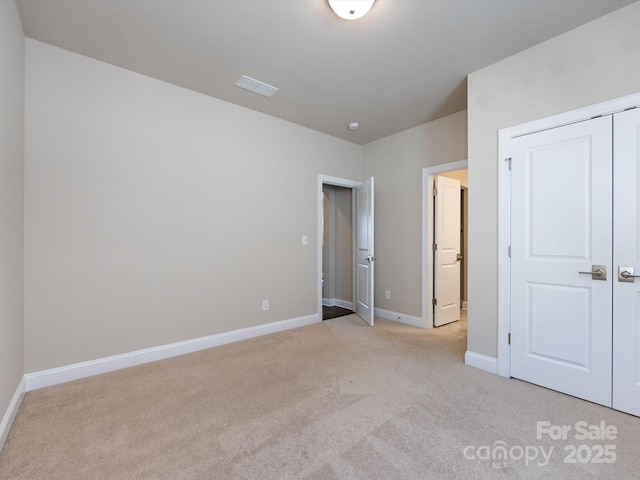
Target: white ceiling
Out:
[403,64]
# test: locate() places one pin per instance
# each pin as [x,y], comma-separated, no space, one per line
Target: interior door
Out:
[626,294]
[447,251]
[364,251]
[561,204]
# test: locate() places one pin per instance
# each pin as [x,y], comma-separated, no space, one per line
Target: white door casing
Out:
[626,235]
[447,249]
[561,214]
[365,259]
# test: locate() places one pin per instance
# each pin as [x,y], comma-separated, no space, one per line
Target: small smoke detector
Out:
[353,126]
[256,86]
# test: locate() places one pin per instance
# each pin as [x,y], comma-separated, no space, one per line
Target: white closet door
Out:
[447,259]
[626,295]
[561,204]
[364,251]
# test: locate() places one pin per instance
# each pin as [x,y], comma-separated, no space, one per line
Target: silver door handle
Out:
[598,272]
[459,257]
[371,259]
[626,274]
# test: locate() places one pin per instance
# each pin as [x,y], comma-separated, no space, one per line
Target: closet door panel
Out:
[561,214]
[626,294]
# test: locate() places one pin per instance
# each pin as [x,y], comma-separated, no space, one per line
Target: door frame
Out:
[504,205]
[428,234]
[338,182]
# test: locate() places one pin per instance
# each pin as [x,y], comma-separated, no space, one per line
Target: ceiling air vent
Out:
[256,86]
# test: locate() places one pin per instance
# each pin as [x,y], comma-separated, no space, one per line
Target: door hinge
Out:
[509,251]
[435,192]
[434,247]
[509,339]
[434,302]
[508,160]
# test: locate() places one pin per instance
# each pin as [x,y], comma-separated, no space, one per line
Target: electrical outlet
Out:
[387,294]
[265,305]
[305,240]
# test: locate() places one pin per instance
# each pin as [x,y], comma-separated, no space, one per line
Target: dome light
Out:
[351,9]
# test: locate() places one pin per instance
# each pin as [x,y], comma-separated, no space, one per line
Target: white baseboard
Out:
[12,411]
[400,318]
[344,304]
[328,302]
[483,362]
[336,302]
[68,373]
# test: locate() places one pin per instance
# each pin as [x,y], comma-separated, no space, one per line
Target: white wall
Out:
[344,245]
[593,63]
[328,242]
[149,212]
[11,202]
[397,162]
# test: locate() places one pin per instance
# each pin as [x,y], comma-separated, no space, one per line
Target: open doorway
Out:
[439,260]
[337,251]
[362,245]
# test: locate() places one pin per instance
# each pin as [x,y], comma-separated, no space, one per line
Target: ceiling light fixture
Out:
[353,126]
[351,9]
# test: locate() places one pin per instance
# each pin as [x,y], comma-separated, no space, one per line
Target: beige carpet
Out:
[337,400]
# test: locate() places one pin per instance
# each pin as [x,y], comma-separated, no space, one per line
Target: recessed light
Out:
[354,126]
